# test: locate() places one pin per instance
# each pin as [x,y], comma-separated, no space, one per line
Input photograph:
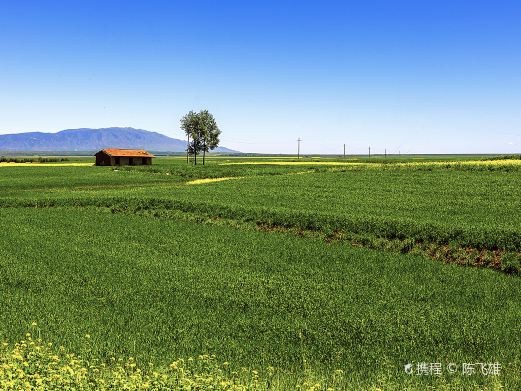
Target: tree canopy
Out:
[202,132]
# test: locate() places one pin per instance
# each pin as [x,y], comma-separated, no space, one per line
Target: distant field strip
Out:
[303,163]
[443,164]
[4,164]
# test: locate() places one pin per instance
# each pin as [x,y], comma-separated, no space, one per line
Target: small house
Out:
[123,157]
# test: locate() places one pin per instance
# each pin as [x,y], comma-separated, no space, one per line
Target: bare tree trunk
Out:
[188,149]
[204,152]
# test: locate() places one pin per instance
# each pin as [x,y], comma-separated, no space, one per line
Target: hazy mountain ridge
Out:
[86,139]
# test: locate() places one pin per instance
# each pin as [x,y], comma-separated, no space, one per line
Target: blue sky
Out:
[410,76]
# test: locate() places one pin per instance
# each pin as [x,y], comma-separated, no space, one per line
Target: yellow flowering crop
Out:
[210,180]
[505,162]
[32,365]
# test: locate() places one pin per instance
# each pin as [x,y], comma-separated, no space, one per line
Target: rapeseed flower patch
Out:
[211,180]
[32,365]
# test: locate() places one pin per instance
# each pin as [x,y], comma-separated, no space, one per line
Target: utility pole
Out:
[344,151]
[369,151]
[298,148]
[385,152]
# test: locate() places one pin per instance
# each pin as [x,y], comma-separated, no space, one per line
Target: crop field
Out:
[264,272]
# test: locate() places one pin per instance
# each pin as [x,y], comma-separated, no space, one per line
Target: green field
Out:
[308,268]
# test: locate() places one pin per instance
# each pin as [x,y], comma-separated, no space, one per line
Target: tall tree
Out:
[189,124]
[202,132]
[210,132]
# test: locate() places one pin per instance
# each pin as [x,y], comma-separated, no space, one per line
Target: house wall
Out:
[106,160]
[121,161]
[103,160]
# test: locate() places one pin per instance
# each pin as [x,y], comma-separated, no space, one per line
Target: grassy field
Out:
[329,273]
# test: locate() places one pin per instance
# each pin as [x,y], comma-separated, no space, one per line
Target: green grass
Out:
[162,289]
[157,282]
[435,206]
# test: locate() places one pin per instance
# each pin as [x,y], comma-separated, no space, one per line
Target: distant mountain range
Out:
[93,140]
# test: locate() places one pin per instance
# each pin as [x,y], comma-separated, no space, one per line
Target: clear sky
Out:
[417,76]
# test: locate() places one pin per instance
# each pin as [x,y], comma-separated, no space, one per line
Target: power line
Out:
[249,142]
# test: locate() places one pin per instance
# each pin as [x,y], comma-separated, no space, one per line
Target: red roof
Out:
[116,152]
